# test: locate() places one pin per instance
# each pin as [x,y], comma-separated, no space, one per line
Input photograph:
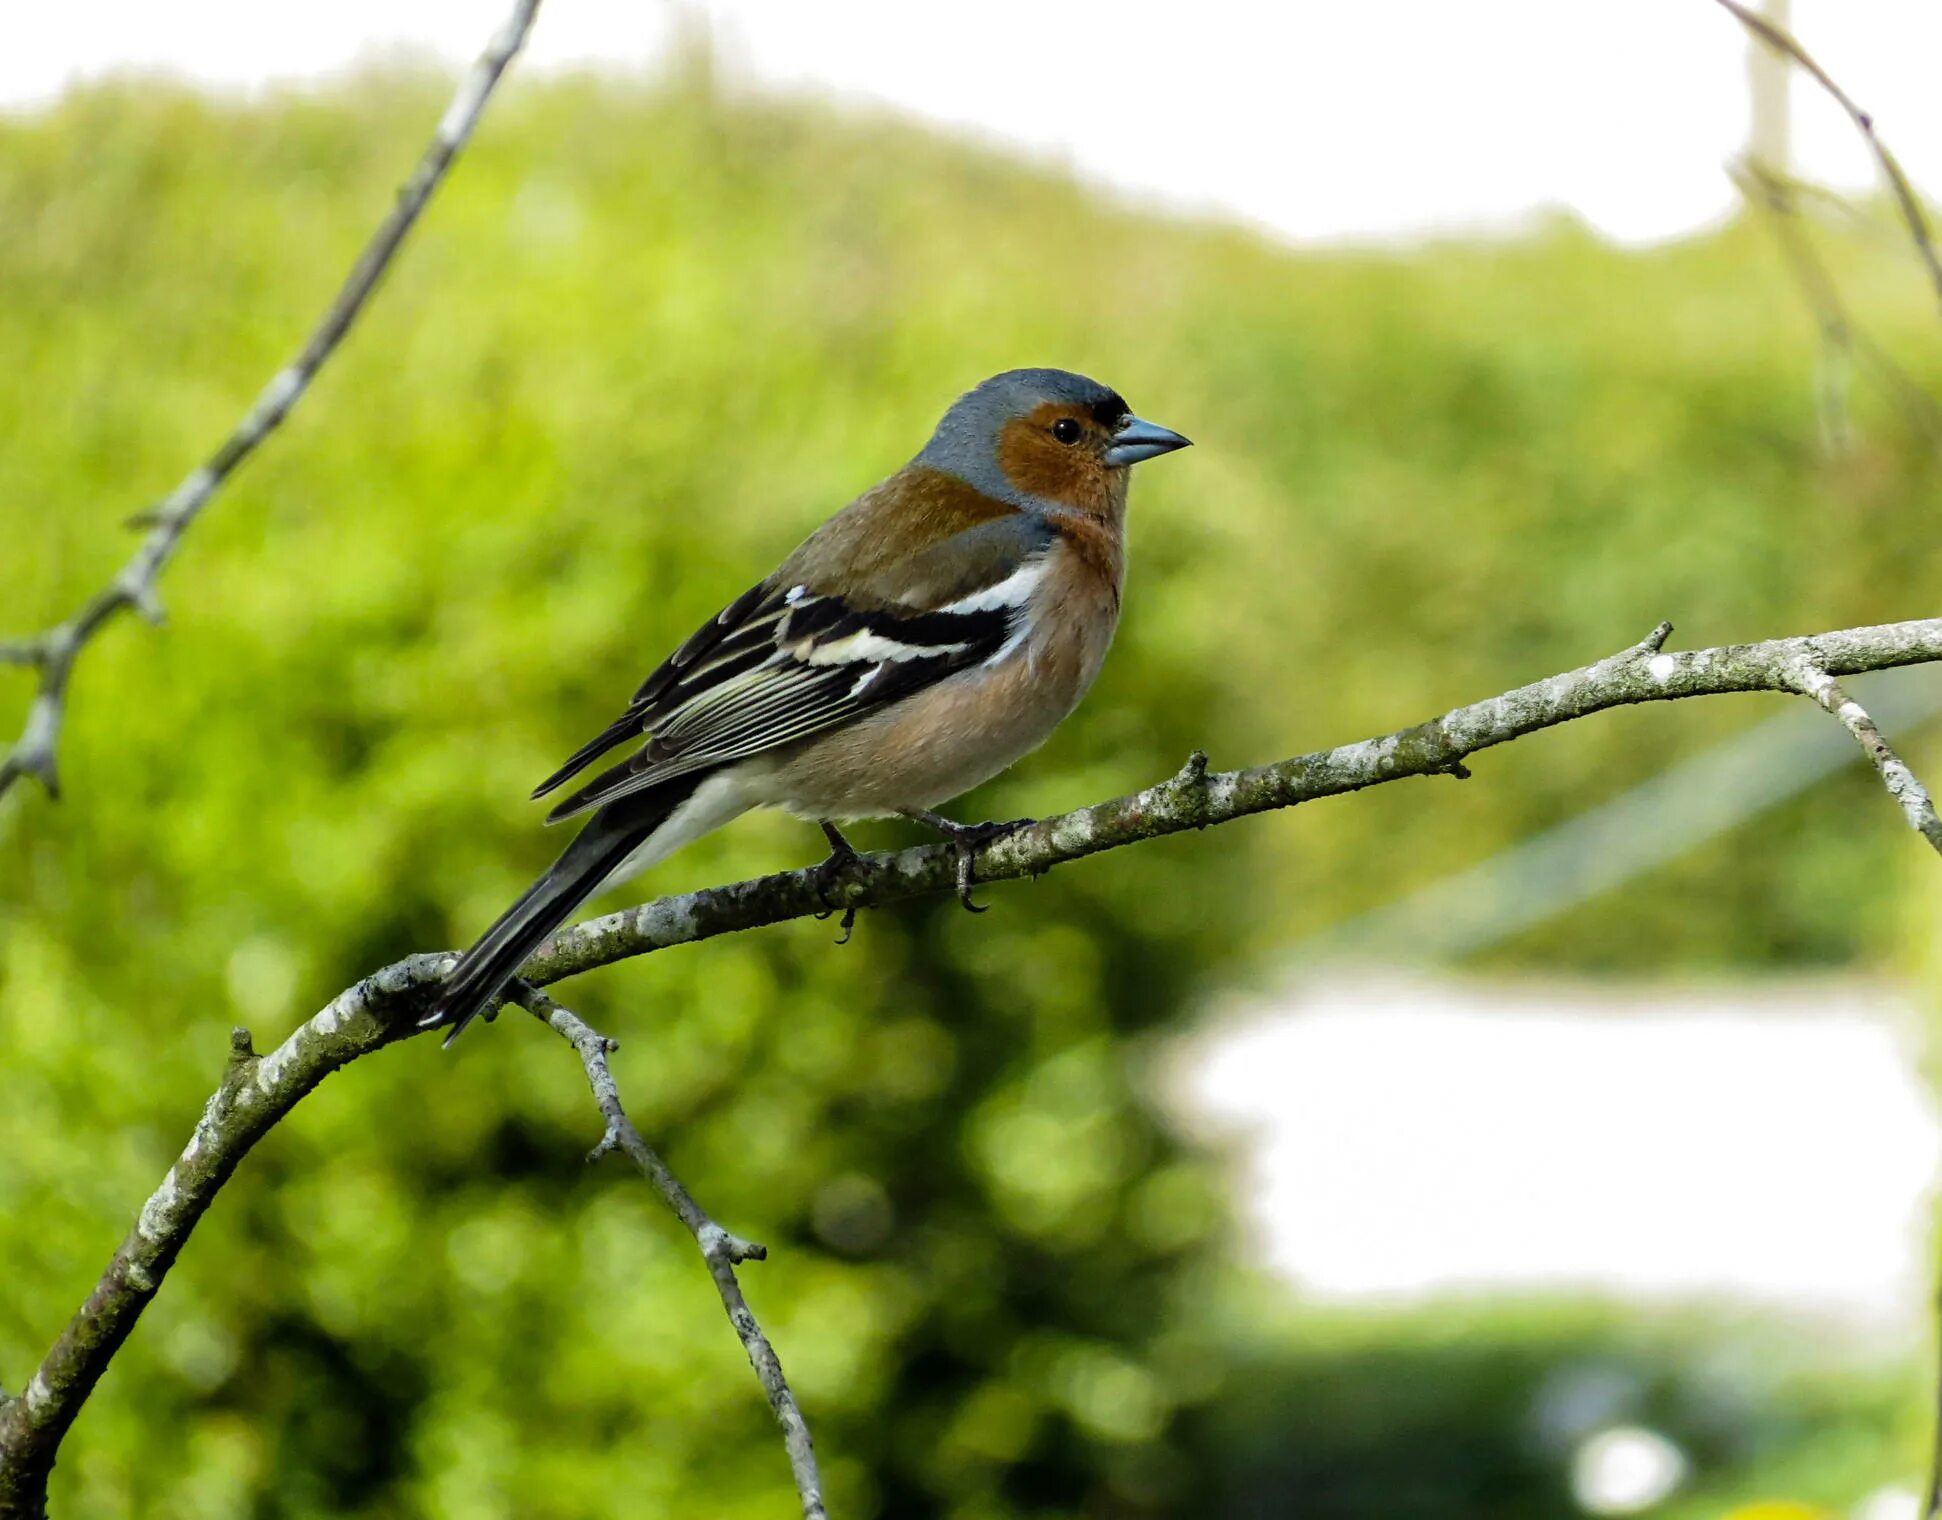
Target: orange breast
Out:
[941,742]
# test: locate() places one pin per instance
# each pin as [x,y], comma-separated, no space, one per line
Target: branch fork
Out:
[1903,785]
[53,653]
[721,1250]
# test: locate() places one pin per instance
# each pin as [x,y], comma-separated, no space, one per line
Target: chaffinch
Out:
[925,637]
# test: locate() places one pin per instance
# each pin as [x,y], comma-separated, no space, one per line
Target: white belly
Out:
[932,746]
[718,800]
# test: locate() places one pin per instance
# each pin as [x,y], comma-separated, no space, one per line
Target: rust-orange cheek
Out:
[1037,463]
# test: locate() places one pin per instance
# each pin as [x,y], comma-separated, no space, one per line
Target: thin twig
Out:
[1902,783]
[53,652]
[1817,288]
[722,1251]
[1780,38]
[1843,342]
[1906,789]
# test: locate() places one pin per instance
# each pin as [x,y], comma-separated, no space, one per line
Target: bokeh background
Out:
[1200,1178]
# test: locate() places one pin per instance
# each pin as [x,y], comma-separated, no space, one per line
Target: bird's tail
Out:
[597,851]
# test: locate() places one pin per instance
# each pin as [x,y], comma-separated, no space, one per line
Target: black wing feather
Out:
[778,665]
[731,633]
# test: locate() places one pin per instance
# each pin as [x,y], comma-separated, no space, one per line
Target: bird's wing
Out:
[785,661]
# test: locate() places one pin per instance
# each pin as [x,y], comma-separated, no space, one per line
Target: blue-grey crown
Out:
[966,441]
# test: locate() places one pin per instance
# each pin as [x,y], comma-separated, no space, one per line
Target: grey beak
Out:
[1137,440]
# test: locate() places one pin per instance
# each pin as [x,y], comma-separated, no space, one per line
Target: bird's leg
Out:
[843,861]
[842,854]
[966,839]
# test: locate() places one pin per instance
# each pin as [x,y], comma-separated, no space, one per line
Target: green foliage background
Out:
[645,340]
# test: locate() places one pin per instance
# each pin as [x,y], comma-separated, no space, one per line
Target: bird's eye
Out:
[1066,430]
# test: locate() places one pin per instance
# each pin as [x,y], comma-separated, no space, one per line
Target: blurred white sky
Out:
[1319,120]
[1769,1142]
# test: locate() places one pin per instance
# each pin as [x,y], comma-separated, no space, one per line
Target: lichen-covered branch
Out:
[1901,782]
[1784,41]
[53,652]
[256,1092]
[722,1251]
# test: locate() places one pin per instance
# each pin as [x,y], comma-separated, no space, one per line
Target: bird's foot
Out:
[843,864]
[966,840]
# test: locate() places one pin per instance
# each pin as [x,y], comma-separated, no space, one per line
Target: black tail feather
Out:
[626,726]
[612,834]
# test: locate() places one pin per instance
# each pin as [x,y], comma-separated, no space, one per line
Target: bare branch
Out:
[722,1251]
[1780,38]
[1839,338]
[385,1007]
[1843,342]
[1895,775]
[133,587]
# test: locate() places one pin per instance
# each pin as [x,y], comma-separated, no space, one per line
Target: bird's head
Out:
[1046,436]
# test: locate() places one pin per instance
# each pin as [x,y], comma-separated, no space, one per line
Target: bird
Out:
[928,635]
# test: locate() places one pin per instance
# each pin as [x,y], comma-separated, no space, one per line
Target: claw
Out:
[843,862]
[966,840]
[967,878]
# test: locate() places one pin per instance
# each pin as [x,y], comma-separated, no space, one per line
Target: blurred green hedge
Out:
[646,338]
